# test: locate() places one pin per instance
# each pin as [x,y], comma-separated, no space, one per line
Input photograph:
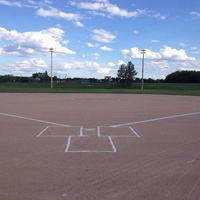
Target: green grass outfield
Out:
[149,88]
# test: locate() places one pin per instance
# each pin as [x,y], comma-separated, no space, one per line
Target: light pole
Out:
[51,51]
[143,52]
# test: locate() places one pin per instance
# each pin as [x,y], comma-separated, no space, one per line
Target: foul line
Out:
[32,119]
[157,119]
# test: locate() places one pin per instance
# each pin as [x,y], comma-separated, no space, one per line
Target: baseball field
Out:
[99,146]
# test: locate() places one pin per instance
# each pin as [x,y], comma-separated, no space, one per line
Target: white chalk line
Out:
[32,119]
[67,149]
[81,134]
[133,132]
[112,144]
[156,119]
[98,128]
[99,135]
[68,144]
[41,134]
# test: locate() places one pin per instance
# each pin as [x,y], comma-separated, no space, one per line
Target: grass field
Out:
[149,88]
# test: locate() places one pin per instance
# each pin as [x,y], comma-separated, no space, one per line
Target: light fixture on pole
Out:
[143,52]
[51,51]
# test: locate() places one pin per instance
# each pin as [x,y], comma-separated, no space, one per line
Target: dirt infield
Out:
[99,147]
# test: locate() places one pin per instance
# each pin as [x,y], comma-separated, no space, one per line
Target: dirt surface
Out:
[99,147]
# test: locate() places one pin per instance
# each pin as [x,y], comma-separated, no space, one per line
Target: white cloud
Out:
[120,62]
[101,35]
[135,32]
[190,65]
[103,70]
[152,55]
[54,12]
[111,64]
[167,67]
[116,11]
[172,53]
[166,60]
[103,1]
[103,6]
[105,48]
[197,14]
[38,62]
[26,66]
[30,42]
[195,50]
[155,41]
[88,67]
[158,16]
[31,1]
[95,56]
[182,44]
[163,65]
[125,53]
[165,52]
[92,45]
[78,24]
[8,3]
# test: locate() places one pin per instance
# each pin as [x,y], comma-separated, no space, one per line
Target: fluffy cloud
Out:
[116,11]
[54,12]
[33,42]
[104,8]
[120,62]
[89,67]
[92,45]
[105,48]
[107,8]
[165,53]
[31,66]
[103,70]
[111,64]
[174,54]
[8,3]
[101,35]
[165,61]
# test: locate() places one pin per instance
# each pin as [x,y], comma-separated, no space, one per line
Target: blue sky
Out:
[92,38]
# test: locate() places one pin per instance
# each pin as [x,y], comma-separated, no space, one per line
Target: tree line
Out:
[126,75]
[183,77]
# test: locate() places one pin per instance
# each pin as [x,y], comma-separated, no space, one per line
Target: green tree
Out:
[126,73]
[44,77]
[183,77]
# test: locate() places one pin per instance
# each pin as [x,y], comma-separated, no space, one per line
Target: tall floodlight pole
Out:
[143,52]
[51,51]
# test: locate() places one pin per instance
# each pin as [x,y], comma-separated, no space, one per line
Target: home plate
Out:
[90,144]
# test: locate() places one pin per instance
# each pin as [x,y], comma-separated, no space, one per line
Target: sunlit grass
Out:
[149,88]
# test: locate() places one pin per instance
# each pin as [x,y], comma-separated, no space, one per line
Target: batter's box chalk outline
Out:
[122,131]
[61,131]
[83,149]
